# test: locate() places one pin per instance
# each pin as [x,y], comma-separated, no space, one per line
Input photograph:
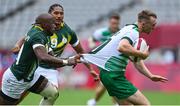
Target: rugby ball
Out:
[141,45]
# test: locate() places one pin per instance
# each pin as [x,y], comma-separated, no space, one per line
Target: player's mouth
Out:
[58,20]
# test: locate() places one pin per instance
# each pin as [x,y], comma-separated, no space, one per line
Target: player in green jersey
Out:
[101,35]
[21,76]
[63,36]
[112,58]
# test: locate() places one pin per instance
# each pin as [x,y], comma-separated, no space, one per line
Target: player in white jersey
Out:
[112,58]
[100,36]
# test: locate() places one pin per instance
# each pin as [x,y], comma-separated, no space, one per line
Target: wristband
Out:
[65,62]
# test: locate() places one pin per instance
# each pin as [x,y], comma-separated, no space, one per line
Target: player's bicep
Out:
[39,51]
[124,44]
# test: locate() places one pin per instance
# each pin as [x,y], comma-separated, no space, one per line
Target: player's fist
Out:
[73,60]
[15,49]
[145,53]
[95,75]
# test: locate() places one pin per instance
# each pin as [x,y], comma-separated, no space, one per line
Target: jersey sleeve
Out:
[37,40]
[74,40]
[131,36]
[97,35]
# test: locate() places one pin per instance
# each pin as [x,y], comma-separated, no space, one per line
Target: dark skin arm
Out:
[42,55]
[18,45]
[80,50]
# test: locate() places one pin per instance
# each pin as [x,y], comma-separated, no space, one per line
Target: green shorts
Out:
[116,84]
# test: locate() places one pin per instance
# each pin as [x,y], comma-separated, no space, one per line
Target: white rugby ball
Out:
[141,45]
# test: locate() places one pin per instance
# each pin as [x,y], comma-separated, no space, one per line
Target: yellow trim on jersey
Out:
[61,25]
[54,36]
[38,27]
[61,43]
[69,37]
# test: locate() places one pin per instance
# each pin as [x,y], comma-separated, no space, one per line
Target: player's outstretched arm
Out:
[42,55]
[126,48]
[80,50]
[18,45]
[141,67]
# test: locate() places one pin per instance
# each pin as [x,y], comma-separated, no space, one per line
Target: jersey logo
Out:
[54,42]
[64,40]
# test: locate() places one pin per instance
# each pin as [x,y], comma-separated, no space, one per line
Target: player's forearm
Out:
[43,56]
[130,51]
[52,61]
[80,50]
[88,66]
[20,42]
[140,66]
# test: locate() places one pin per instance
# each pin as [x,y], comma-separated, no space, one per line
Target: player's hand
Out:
[95,75]
[145,53]
[157,78]
[15,49]
[73,60]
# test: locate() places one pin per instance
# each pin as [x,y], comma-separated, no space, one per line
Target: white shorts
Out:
[14,88]
[50,74]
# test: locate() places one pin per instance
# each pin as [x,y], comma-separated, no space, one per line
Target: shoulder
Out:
[67,27]
[36,36]
[130,29]
[100,32]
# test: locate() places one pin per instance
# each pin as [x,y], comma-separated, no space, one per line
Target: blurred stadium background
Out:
[84,17]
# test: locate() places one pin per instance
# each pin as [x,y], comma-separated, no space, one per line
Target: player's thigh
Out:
[50,74]
[122,101]
[38,84]
[11,87]
[100,87]
[138,99]
[23,95]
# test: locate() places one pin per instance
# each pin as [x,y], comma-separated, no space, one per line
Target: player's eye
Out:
[61,13]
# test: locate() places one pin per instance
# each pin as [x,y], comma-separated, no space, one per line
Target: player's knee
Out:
[147,103]
[54,94]
[50,92]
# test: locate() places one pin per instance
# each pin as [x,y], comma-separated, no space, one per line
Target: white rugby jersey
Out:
[107,55]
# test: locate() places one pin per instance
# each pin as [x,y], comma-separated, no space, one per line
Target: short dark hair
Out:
[114,16]
[146,14]
[51,8]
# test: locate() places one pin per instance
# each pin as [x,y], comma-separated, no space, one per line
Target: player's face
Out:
[149,25]
[50,26]
[114,24]
[58,14]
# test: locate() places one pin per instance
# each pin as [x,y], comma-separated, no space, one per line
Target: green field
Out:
[80,97]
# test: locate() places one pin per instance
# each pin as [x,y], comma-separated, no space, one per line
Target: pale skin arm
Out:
[80,50]
[140,66]
[126,48]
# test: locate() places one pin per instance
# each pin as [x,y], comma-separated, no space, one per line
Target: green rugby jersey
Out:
[26,61]
[102,34]
[59,41]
